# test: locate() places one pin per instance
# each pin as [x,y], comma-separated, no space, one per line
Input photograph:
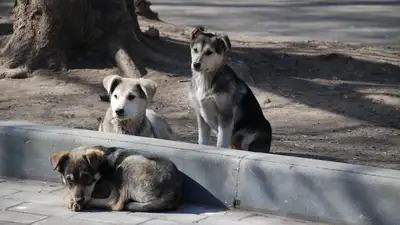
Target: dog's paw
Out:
[75,207]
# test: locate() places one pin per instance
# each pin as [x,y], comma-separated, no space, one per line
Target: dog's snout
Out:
[119,112]
[79,199]
[196,65]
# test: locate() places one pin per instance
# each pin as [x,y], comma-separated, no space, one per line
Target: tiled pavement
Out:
[40,203]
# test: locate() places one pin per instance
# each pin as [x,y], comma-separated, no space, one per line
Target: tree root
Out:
[17,73]
[125,63]
[142,8]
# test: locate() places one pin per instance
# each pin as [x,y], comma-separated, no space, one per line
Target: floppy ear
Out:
[94,157]
[58,158]
[149,87]
[197,31]
[110,82]
[224,42]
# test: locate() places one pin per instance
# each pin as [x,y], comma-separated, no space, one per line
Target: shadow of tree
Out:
[331,82]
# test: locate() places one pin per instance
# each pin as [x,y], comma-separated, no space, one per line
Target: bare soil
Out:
[330,101]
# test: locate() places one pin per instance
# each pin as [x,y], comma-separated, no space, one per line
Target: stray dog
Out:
[136,182]
[223,102]
[128,113]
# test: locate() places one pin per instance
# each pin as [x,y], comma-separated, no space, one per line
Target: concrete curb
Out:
[283,185]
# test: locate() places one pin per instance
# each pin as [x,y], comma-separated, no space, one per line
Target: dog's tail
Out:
[159,204]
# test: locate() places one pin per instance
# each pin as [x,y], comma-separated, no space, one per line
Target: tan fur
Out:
[149,87]
[76,159]
[56,157]
[94,157]
[149,183]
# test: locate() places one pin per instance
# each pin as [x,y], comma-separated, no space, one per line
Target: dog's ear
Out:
[149,88]
[94,157]
[197,31]
[110,82]
[223,42]
[57,158]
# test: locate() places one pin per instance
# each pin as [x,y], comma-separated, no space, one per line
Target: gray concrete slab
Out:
[17,217]
[31,212]
[327,191]
[43,209]
[359,21]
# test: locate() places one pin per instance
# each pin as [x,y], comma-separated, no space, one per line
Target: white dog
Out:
[128,113]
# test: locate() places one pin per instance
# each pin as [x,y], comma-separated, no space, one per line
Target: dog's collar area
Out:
[130,125]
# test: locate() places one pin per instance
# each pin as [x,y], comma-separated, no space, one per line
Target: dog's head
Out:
[129,97]
[208,50]
[79,171]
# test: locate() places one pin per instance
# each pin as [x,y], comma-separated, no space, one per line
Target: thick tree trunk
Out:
[142,8]
[46,32]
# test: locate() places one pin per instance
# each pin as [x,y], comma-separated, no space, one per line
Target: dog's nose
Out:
[80,200]
[119,112]
[196,65]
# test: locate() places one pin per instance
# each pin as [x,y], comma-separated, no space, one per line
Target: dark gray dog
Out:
[223,102]
[136,182]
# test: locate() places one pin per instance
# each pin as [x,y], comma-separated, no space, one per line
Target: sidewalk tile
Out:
[30,186]
[5,203]
[44,198]
[173,216]
[17,217]
[60,221]
[43,209]
[160,222]
[5,192]
[111,217]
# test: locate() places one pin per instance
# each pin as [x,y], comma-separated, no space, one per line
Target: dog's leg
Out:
[99,203]
[224,133]
[203,129]
[112,202]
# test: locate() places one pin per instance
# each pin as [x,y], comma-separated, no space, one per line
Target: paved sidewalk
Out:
[40,203]
[360,21]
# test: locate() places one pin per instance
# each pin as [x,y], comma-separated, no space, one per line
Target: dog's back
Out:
[146,182]
[159,126]
[251,130]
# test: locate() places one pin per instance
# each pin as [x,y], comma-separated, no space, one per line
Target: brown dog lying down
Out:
[124,179]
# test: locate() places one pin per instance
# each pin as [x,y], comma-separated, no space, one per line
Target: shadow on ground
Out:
[333,82]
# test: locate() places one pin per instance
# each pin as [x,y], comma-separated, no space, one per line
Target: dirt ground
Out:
[330,101]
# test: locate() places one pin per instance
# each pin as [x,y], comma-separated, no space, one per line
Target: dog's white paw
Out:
[75,207]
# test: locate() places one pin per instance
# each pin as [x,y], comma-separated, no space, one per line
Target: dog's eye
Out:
[208,52]
[86,177]
[69,178]
[195,50]
[131,97]
[115,96]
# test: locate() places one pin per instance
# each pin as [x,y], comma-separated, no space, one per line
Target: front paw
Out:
[75,207]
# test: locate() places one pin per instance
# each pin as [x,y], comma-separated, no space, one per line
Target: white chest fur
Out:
[204,100]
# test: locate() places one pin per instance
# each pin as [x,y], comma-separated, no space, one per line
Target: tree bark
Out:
[47,32]
[142,8]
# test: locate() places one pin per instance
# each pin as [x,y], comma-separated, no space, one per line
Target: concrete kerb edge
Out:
[31,145]
[283,185]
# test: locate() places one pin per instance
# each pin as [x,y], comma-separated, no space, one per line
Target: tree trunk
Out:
[48,32]
[142,8]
